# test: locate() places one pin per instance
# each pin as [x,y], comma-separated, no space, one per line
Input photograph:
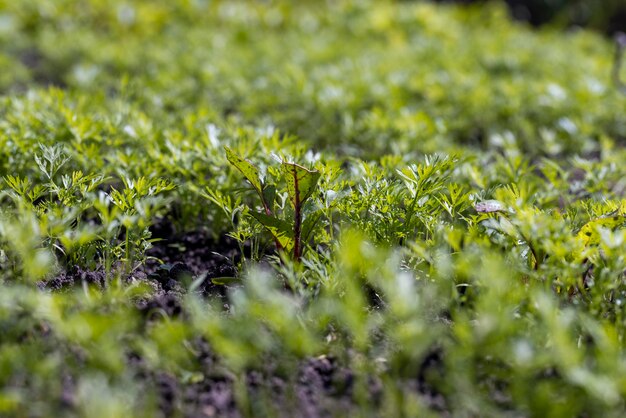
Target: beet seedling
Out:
[301,183]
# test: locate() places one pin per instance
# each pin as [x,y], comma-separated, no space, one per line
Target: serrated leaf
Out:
[250,172]
[301,182]
[281,230]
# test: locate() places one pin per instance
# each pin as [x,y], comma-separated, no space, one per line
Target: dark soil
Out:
[197,250]
[178,257]
[167,303]
[314,388]
[174,261]
[317,388]
[72,277]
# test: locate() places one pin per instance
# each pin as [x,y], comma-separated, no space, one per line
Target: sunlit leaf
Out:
[301,182]
[250,172]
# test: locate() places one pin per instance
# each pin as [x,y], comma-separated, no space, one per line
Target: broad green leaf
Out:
[250,172]
[281,230]
[301,182]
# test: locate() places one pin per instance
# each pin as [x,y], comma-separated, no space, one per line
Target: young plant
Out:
[301,183]
[267,193]
[137,204]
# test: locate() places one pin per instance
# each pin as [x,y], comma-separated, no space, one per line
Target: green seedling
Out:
[589,233]
[301,183]
[415,294]
[266,194]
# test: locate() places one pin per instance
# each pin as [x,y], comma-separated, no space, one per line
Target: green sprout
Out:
[301,184]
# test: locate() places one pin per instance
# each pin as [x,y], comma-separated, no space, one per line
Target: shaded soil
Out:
[178,260]
[316,388]
[313,388]
[72,277]
[197,250]
[174,261]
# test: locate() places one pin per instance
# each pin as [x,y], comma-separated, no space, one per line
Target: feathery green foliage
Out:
[447,206]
